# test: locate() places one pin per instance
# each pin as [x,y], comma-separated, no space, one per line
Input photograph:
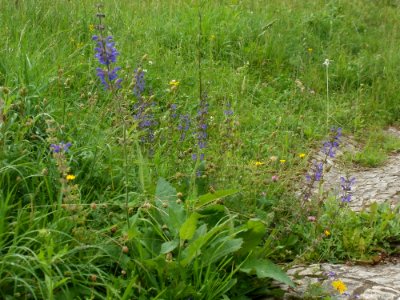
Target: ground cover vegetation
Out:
[164,149]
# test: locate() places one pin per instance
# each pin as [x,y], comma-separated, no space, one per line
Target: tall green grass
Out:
[265,58]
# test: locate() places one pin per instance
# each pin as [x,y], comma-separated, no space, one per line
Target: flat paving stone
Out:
[381,184]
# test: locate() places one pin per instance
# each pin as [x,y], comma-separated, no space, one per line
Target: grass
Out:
[142,219]
[377,145]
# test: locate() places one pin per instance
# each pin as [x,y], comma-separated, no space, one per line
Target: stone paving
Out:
[379,185]
[379,282]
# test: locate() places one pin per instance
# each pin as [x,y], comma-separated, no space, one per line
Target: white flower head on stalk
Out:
[327,62]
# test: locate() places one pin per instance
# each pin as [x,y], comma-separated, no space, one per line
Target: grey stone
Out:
[379,185]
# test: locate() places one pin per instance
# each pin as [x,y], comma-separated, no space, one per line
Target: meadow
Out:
[171,156]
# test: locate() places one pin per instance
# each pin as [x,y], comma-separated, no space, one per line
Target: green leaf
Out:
[264,268]
[208,198]
[221,248]
[194,248]
[174,215]
[165,191]
[252,236]
[169,246]
[188,228]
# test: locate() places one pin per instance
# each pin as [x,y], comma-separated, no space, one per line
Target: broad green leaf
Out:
[264,268]
[169,246]
[194,248]
[174,215]
[221,248]
[188,228]
[165,191]
[252,236]
[208,198]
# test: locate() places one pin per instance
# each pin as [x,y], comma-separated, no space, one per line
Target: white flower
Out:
[327,62]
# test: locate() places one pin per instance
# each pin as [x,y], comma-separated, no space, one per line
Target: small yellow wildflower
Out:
[70,177]
[302,155]
[282,161]
[91,27]
[339,286]
[259,163]
[327,232]
[174,82]
[310,50]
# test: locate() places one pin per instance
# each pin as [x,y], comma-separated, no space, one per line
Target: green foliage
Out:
[214,229]
[377,146]
[182,252]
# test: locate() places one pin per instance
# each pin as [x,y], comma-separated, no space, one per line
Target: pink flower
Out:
[311,218]
[275,178]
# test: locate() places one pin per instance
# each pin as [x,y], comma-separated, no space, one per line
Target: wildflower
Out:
[174,83]
[106,55]
[326,62]
[273,158]
[107,77]
[331,146]
[56,148]
[318,172]
[259,163]
[183,126]
[312,218]
[327,232]
[310,50]
[339,286]
[282,161]
[202,125]
[302,155]
[275,178]
[228,111]
[105,51]
[70,177]
[139,83]
[143,107]
[346,185]
[91,28]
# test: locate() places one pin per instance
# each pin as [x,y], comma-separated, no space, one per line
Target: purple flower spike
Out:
[346,186]
[57,148]
[105,50]
[106,55]
[330,147]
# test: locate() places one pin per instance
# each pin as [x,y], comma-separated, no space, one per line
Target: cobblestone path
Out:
[379,282]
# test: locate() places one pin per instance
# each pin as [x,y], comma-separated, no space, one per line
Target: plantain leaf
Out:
[252,237]
[208,198]
[264,268]
[165,191]
[188,228]
[169,246]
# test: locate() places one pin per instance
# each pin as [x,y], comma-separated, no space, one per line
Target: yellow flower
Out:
[282,161]
[339,286]
[174,82]
[91,27]
[302,155]
[70,177]
[310,50]
[327,232]
[259,163]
